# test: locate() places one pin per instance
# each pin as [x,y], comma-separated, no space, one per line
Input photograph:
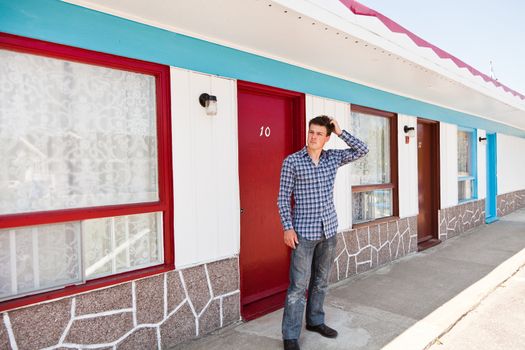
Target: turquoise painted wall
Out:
[60,22]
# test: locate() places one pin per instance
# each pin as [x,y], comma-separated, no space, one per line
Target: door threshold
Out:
[427,244]
[263,306]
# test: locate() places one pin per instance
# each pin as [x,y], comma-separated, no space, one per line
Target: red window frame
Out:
[165,183]
[393,184]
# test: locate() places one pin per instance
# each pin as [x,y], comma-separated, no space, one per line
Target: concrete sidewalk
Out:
[496,324]
[404,305]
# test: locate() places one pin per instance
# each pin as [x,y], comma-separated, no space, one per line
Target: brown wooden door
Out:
[428,182]
[270,121]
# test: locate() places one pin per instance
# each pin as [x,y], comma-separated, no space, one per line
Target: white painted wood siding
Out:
[482,166]
[316,106]
[407,164]
[205,169]
[448,139]
[511,163]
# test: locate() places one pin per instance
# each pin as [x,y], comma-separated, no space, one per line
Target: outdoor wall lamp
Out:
[410,131]
[209,102]
[482,140]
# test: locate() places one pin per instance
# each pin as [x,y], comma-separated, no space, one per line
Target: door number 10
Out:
[265,131]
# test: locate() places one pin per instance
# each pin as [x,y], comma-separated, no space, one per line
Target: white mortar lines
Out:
[220,311]
[221,298]
[209,290]
[337,268]
[88,316]
[133,311]
[12,340]
[208,280]
[399,239]
[344,242]
[111,344]
[204,308]
[103,313]
[70,323]
[134,303]
[345,250]
[403,242]
[347,265]
[229,294]
[189,303]
[177,308]
[165,295]
[158,339]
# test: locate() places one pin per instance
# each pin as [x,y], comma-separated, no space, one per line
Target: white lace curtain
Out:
[375,132]
[74,135]
[49,256]
[373,169]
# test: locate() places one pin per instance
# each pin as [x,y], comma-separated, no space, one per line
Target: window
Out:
[374,177]
[84,153]
[466,164]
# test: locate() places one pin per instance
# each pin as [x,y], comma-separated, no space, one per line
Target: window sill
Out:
[73,290]
[375,222]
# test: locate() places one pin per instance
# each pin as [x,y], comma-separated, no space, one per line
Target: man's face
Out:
[317,137]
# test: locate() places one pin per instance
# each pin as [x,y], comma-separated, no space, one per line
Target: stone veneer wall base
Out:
[155,312]
[456,220]
[365,248]
[509,202]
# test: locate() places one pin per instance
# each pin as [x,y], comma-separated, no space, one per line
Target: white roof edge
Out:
[324,11]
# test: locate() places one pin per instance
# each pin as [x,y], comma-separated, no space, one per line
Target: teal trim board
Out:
[68,24]
[474,161]
[491,210]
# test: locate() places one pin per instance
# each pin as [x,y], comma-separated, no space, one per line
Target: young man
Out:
[310,230]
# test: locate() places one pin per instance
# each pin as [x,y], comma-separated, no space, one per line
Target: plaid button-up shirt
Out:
[313,189]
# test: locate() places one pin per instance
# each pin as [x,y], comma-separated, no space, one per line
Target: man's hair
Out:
[323,120]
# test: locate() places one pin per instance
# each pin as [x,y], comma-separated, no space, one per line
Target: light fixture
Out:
[209,102]
[410,131]
[482,140]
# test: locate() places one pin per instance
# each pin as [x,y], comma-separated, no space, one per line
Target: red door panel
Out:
[267,123]
[428,180]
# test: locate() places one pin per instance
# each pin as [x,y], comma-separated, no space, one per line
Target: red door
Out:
[428,183]
[271,126]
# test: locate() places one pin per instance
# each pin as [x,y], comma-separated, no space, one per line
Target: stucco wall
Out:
[408,171]
[511,163]
[482,166]
[448,139]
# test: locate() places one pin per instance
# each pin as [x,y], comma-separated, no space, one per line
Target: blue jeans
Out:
[310,267]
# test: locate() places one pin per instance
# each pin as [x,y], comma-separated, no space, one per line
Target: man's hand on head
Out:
[290,238]
[337,128]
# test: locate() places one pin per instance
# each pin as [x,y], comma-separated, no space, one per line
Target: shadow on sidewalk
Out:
[371,309]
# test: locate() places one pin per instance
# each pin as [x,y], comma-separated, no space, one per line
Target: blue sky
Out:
[473,31]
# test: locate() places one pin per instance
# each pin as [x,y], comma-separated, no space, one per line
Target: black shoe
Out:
[324,330]
[291,344]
